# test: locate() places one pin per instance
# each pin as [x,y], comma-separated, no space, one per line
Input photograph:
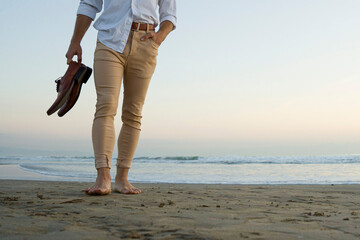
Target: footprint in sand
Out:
[74,201]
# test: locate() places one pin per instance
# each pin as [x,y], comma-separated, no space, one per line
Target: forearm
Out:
[81,26]
[165,28]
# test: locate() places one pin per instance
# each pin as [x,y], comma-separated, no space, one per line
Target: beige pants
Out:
[135,66]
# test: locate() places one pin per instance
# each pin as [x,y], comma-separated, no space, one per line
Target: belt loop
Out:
[138,27]
[147,27]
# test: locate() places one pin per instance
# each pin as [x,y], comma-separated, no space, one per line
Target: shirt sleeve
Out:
[167,11]
[90,8]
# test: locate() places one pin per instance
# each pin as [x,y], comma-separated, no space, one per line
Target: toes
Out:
[127,191]
[136,190]
[93,191]
[99,191]
[90,191]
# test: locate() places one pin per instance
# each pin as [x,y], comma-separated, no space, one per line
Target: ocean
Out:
[332,169]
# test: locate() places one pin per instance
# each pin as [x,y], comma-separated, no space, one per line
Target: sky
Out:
[248,78]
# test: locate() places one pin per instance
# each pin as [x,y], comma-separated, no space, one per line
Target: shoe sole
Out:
[83,75]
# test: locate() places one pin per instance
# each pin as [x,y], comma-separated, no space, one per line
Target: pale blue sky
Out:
[236,77]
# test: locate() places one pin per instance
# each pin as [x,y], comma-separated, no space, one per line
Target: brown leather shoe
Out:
[81,77]
[63,86]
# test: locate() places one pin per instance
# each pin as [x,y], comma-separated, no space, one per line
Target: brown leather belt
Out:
[142,26]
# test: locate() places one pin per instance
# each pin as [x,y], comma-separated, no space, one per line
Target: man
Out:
[126,50]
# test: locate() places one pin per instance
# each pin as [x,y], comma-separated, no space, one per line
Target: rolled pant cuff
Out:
[102,163]
[123,164]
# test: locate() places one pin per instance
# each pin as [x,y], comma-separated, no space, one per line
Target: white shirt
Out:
[114,23]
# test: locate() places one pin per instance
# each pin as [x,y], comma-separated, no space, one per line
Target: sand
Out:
[61,210]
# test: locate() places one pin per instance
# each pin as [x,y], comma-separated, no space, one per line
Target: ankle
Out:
[121,174]
[103,173]
[121,179]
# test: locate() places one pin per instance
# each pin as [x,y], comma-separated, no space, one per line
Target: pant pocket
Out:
[153,43]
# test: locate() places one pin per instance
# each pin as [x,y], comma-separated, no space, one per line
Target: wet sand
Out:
[61,210]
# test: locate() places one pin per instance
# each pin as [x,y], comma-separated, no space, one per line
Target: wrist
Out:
[161,34]
[75,41]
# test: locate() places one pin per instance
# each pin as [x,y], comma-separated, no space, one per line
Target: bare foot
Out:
[102,185]
[122,185]
[126,187]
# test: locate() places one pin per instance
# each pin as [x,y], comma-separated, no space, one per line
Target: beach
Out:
[238,120]
[61,210]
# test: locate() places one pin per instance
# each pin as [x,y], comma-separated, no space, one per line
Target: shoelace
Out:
[57,81]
